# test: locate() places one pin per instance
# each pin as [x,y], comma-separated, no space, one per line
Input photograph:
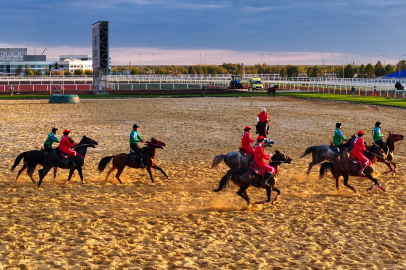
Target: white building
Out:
[12,54]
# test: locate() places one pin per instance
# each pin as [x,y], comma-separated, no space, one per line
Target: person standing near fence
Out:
[11,90]
[374,93]
[353,91]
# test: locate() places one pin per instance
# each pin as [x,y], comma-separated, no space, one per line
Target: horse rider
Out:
[272,86]
[65,146]
[338,138]
[377,135]
[246,141]
[357,149]
[262,116]
[259,157]
[50,140]
[135,138]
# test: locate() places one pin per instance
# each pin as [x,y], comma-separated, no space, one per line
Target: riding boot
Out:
[264,182]
[142,165]
[361,169]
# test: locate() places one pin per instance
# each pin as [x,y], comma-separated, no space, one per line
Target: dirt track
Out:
[180,222]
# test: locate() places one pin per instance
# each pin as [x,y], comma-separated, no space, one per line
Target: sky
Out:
[181,32]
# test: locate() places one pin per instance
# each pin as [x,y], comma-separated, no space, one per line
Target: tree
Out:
[27,71]
[349,71]
[389,69]
[283,72]
[67,72]
[379,69]
[18,70]
[369,71]
[292,71]
[88,72]
[78,72]
[361,71]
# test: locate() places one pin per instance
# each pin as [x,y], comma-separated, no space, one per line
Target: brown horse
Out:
[390,143]
[122,160]
[347,168]
[272,90]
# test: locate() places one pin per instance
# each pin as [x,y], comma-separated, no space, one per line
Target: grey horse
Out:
[235,159]
[324,152]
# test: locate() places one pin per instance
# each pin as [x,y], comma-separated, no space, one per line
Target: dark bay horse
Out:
[244,177]
[51,160]
[235,159]
[272,90]
[263,128]
[324,152]
[122,160]
[390,143]
[347,168]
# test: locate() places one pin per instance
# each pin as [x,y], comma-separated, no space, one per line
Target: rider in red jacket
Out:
[357,149]
[262,116]
[246,141]
[65,145]
[259,157]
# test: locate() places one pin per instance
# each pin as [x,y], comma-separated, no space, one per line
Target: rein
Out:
[83,145]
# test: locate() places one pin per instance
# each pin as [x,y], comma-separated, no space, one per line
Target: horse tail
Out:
[325,166]
[18,160]
[217,160]
[308,151]
[103,163]
[223,181]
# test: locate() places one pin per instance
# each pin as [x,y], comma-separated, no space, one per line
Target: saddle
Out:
[133,156]
[355,161]
[64,155]
[257,170]
[245,153]
[333,148]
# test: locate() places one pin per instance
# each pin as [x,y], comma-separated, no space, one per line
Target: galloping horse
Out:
[390,143]
[235,159]
[272,90]
[323,152]
[347,168]
[244,177]
[51,160]
[122,160]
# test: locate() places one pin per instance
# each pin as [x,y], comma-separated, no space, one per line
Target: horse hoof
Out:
[83,182]
[66,183]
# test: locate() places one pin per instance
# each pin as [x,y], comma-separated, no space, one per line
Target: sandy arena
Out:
[180,223]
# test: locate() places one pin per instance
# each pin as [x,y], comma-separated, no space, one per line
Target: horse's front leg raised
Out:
[277,195]
[157,168]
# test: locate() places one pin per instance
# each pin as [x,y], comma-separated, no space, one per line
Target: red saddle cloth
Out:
[244,153]
[64,155]
[257,170]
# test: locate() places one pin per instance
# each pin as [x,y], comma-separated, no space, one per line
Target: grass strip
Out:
[384,101]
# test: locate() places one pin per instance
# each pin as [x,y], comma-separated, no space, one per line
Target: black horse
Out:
[272,90]
[26,157]
[262,128]
[52,159]
[244,177]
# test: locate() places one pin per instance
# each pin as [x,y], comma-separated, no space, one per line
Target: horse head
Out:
[376,151]
[395,137]
[88,142]
[154,143]
[279,157]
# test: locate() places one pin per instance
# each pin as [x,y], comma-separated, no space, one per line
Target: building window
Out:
[15,53]
[22,53]
[39,66]
[61,66]
[32,66]
[8,53]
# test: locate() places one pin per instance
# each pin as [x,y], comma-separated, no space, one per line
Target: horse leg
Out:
[21,171]
[42,173]
[55,169]
[157,168]
[369,176]
[346,177]
[119,171]
[150,174]
[268,194]
[311,164]
[70,176]
[109,172]
[277,195]
[243,193]
[30,174]
[81,174]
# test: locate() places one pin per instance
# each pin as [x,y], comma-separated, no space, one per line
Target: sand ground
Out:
[180,223]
